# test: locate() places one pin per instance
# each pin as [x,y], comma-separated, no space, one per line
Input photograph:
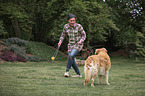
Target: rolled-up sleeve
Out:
[62,35]
[83,34]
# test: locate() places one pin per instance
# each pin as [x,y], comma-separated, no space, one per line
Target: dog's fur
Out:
[99,65]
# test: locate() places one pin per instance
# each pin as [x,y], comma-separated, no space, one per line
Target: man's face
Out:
[72,21]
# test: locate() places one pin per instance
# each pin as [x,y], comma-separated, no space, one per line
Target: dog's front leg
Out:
[100,79]
[92,81]
[106,77]
[85,83]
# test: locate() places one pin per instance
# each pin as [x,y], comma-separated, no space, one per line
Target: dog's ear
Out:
[104,49]
[96,51]
[89,59]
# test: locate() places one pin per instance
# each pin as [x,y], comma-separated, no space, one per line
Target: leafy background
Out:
[113,24]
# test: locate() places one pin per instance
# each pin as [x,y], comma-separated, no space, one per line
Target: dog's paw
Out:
[92,85]
[108,84]
[84,84]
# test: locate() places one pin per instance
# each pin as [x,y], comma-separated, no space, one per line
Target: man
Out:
[76,36]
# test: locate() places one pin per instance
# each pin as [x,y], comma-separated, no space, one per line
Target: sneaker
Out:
[77,76]
[66,74]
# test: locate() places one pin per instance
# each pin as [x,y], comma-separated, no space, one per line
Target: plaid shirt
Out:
[75,34]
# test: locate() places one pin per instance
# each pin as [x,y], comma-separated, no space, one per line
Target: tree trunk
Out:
[30,33]
[16,28]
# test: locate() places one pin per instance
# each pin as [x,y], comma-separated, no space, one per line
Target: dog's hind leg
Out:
[92,81]
[85,83]
[93,77]
[106,77]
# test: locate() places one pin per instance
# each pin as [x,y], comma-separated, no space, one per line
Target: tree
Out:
[109,23]
[93,16]
[140,43]
[15,19]
[2,30]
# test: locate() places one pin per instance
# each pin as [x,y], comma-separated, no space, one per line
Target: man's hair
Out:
[70,16]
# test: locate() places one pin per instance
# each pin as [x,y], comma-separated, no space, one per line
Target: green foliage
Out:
[16,49]
[93,16]
[31,51]
[113,23]
[128,16]
[14,12]
[40,49]
[2,29]
[140,43]
[125,36]
[55,17]
[16,41]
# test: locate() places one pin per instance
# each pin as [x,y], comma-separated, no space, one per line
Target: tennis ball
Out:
[52,58]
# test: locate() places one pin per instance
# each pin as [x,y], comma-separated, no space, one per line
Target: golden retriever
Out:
[99,65]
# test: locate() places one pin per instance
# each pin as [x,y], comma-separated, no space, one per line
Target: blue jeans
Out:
[71,61]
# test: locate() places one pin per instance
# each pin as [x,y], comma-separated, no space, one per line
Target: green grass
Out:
[126,77]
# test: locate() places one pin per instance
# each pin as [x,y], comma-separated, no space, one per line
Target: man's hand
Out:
[79,42]
[59,43]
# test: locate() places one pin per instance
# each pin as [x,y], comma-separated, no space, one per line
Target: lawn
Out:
[126,78]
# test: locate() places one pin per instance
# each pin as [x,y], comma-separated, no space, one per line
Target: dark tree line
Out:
[110,23]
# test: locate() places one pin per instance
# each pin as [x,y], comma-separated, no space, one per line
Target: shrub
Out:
[42,50]
[8,56]
[140,43]
[19,50]
[16,41]
[21,58]
[2,46]
[16,49]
